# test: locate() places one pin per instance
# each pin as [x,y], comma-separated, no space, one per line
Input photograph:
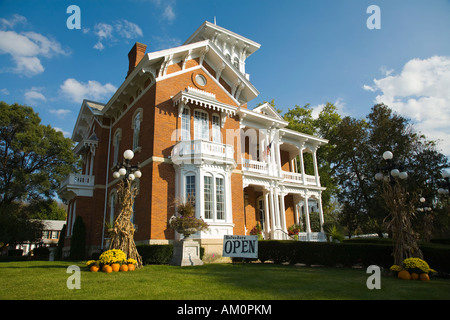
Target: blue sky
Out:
[311,52]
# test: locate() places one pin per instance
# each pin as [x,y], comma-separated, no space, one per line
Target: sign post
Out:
[240,246]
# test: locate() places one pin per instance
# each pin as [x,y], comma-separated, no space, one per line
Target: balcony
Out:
[202,151]
[259,167]
[77,185]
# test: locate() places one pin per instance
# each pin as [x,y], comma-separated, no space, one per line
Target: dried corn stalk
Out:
[398,223]
[122,233]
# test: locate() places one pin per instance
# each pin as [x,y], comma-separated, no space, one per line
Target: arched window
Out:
[116,144]
[208,196]
[220,198]
[136,126]
[112,204]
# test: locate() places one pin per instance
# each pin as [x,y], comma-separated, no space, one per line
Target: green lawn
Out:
[47,280]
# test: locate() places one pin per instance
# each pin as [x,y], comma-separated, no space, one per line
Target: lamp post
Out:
[126,169]
[400,211]
[423,206]
[122,235]
[391,170]
[445,189]
[427,219]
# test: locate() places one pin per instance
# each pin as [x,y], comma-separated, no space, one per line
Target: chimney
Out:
[135,56]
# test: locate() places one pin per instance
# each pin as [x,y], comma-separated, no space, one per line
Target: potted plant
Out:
[185,222]
[257,231]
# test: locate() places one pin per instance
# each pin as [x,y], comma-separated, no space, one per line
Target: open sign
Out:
[240,246]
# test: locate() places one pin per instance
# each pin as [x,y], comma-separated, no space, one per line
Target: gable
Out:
[268,110]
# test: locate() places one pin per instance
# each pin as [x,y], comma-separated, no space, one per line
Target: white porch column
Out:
[319,201]
[277,154]
[282,213]
[302,164]
[277,209]
[272,213]
[91,165]
[296,212]
[308,223]
[266,212]
[316,167]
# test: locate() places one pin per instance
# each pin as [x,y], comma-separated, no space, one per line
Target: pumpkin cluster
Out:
[413,269]
[113,260]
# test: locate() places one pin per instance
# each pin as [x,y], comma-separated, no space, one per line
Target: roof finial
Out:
[214,19]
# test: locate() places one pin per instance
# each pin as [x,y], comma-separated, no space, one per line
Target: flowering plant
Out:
[91,263]
[416,265]
[113,256]
[413,265]
[131,261]
[294,229]
[186,223]
[257,230]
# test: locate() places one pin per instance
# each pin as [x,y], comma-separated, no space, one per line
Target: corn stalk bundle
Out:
[398,223]
[122,233]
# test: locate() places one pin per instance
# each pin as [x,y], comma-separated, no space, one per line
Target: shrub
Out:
[155,254]
[78,241]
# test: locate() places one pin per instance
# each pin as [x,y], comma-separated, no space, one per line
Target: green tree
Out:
[34,159]
[78,241]
[358,156]
[324,126]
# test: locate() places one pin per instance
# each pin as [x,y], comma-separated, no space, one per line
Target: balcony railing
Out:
[254,166]
[77,185]
[193,151]
[263,168]
[297,177]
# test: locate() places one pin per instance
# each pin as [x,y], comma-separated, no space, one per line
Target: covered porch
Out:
[276,208]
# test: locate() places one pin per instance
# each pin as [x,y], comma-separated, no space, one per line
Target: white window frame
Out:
[186,124]
[136,127]
[201,125]
[215,124]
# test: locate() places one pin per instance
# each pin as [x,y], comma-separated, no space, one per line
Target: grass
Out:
[47,280]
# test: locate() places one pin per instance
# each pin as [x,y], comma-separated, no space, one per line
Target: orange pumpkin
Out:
[414,276]
[107,269]
[94,268]
[424,277]
[124,268]
[131,267]
[404,275]
[104,267]
[115,267]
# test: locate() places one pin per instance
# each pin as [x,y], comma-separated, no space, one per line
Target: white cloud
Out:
[60,113]
[4,91]
[128,30]
[25,50]
[113,33]
[65,133]
[339,104]
[420,92]
[168,13]
[33,96]
[94,90]
[11,23]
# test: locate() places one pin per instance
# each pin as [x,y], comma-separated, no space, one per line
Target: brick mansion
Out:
[183,112]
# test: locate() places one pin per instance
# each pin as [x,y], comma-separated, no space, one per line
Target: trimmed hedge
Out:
[345,254]
[158,253]
[155,254]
